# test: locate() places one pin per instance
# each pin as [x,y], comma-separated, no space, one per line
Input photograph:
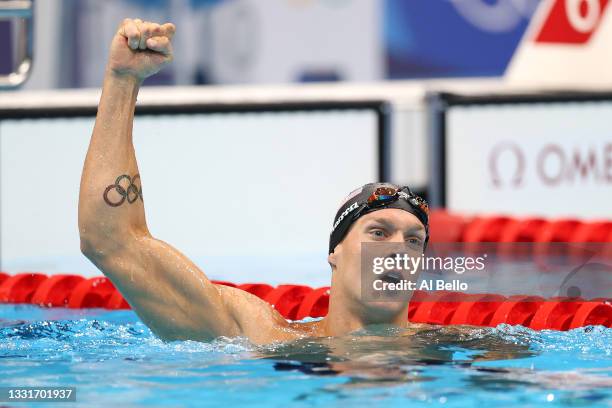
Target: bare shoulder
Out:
[258,320]
[308,329]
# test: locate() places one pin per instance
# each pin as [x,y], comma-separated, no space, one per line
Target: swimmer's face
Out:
[389,225]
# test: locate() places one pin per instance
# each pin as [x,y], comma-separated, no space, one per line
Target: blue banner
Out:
[450,38]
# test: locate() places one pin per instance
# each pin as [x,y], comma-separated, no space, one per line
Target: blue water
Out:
[112,358]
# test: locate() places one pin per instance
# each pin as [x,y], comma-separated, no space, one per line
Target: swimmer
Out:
[170,293]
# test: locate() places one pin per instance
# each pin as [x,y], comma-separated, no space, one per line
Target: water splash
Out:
[111,355]
[95,339]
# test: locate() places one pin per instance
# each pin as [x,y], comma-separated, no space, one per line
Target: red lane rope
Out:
[297,301]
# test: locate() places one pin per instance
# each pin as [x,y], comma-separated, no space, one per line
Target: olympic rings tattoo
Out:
[131,192]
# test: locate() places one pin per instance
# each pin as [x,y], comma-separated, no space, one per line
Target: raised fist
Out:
[141,48]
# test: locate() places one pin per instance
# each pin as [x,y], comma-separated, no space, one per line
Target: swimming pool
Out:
[112,358]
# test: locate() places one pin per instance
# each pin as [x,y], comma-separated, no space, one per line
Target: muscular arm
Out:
[167,291]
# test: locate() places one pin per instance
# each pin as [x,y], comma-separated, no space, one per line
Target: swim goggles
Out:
[385,195]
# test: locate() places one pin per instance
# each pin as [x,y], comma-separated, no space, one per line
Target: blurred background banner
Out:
[567,44]
[528,158]
[242,41]
[536,42]
[454,38]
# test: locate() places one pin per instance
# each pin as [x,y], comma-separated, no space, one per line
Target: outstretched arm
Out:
[168,292]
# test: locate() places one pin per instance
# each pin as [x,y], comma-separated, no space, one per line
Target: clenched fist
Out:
[140,48]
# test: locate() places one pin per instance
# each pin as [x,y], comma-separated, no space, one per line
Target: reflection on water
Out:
[382,357]
[394,356]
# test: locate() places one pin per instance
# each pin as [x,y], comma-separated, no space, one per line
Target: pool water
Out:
[112,358]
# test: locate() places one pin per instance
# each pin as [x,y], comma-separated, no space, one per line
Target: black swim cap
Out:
[355,205]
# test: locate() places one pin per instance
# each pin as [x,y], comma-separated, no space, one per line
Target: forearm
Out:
[109,207]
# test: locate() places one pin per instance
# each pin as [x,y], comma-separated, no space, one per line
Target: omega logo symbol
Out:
[509,152]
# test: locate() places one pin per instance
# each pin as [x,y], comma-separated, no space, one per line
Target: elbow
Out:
[94,239]
[90,247]
[95,247]
[88,239]
[86,247]
[85,239]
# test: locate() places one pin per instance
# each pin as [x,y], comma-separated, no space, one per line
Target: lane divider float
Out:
[296,302]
